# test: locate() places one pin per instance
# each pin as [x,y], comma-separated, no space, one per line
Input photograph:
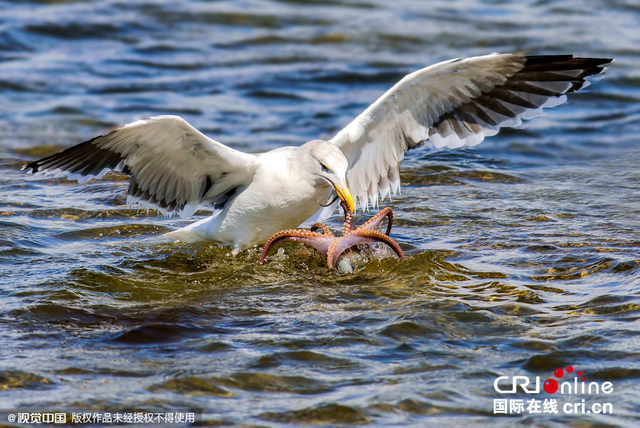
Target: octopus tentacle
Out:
[333,246]
[358,237]
[347,227]
[326,230]
[316,240]
[374,222]
[333,254]
[378,236]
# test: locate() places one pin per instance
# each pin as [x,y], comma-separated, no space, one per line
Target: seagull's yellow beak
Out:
[344,195]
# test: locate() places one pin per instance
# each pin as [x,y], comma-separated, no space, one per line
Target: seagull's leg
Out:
[357,237]
[320,242]
[374,222]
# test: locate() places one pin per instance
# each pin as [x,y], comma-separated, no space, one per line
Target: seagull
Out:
[174,168]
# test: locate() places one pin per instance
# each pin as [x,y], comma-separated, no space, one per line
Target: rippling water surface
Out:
[522,253]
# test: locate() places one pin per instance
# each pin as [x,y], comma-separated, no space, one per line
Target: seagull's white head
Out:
[329,165]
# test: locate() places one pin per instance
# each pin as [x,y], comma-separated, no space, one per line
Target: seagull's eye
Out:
[324,167]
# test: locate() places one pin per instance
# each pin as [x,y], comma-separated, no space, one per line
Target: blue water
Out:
[522,254]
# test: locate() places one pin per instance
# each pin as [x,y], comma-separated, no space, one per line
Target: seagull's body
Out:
[175,168]
[277,172]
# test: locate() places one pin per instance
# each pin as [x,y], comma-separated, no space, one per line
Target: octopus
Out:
[331,246]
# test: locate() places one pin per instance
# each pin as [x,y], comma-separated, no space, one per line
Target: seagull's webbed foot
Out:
[333,246]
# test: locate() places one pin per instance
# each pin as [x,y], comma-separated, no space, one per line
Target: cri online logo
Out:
[551,385]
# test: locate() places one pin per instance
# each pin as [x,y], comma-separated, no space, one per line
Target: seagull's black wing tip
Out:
[31,167]
[589,66]
[87,158]
[567,68]
[577,61]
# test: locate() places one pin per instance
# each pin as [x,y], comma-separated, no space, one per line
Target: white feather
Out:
[428,104]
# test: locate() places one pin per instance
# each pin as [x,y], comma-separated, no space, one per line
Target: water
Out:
[522,254]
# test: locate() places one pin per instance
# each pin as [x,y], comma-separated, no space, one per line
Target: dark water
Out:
[522,253]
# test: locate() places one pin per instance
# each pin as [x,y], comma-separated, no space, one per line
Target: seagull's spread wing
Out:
[453,104]
[174,167]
